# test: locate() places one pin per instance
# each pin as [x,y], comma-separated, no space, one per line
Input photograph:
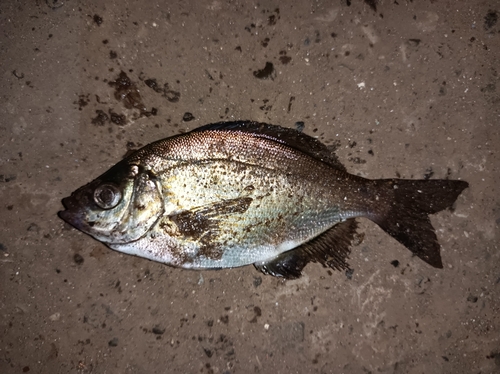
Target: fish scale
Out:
[298,217]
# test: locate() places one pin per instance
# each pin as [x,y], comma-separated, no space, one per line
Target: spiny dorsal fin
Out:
[331,249]
[291,137]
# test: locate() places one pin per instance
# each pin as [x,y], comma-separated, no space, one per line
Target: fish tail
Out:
[407,206]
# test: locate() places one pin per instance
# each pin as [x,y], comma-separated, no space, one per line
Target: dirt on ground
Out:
[402,88]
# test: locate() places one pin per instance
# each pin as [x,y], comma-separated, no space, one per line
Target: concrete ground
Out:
[403,88]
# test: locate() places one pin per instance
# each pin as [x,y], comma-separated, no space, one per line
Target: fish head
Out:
[120,206]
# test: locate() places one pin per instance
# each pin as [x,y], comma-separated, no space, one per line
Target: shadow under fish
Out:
[237,193]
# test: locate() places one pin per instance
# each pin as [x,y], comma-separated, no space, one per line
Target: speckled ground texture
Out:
[408,89]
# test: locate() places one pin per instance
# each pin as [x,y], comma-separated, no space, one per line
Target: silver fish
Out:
[239,193]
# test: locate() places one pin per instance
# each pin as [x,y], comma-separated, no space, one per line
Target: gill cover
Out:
[120,206]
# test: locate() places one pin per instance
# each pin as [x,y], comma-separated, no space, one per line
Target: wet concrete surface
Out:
[404,89]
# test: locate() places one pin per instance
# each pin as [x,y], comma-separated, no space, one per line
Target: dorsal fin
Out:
[291,137]
[331,249]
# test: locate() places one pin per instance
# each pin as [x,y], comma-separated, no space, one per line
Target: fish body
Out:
[233,194]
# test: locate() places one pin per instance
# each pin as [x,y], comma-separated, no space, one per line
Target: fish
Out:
[231,194]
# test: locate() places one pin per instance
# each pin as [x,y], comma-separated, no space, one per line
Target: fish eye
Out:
[107,196]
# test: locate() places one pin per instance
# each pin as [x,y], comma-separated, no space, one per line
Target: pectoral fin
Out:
[329,249]
[202,224]
[205,219]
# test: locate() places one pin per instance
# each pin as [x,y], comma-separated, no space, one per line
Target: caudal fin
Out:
[407,219]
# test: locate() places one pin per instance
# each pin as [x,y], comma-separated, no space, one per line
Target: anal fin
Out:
[331,249]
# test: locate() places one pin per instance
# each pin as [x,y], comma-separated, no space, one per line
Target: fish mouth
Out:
[73,214]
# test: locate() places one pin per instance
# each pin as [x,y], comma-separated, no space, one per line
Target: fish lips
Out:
[76,207]
[73,214]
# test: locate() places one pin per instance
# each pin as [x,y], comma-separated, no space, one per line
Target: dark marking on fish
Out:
[192,224]
[203,223]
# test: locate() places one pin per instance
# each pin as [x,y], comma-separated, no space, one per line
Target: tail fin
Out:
[407,219]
